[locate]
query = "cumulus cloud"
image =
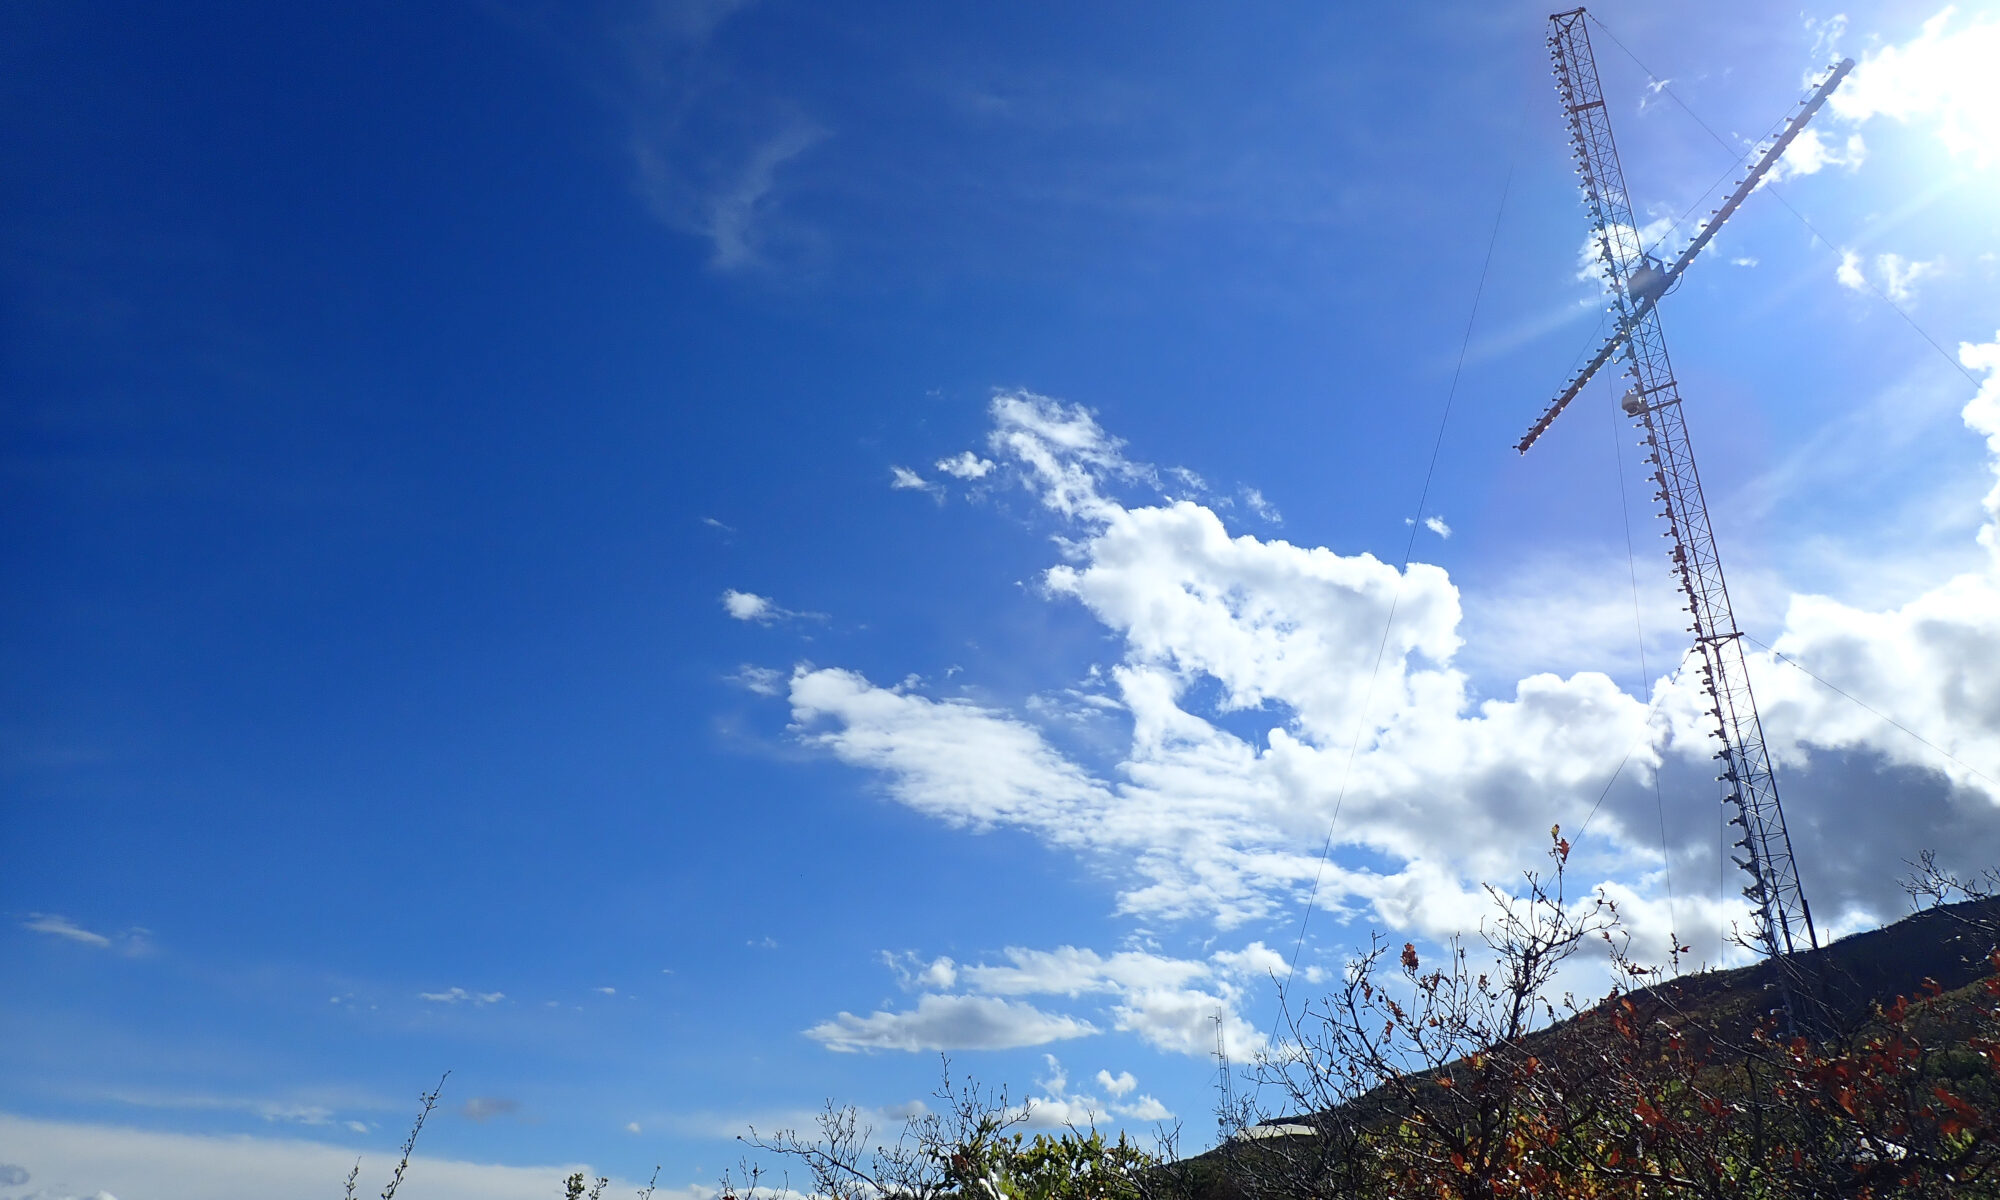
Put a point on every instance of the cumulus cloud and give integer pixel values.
(939, 974)
(1943, 77)
(1927, 663)
(1058, 1107)
(1071, 971)
(1205, 820)
(950, 1022)
(1256, 960)
(1172, 1004)
(764, 681)
(1849, 271)
(1267, 697)
(749, 606)
(1809, 154)
(1186, 1021)
(1625, 241)
(1897, 275)
(966, 465)
(1145, 1108)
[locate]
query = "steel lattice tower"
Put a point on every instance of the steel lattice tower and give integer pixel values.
(1783, 920)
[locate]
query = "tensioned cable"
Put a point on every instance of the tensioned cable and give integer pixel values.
(1780, 198)
(1791, 662)
(1409, 549)
(1742, 157)
(1645, 676)
(1620, 768)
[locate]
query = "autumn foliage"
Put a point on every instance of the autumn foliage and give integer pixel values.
(1453, 1083)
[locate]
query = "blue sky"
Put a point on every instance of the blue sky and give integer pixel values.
(679, 560)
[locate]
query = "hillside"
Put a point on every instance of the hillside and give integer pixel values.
(1681, 1069)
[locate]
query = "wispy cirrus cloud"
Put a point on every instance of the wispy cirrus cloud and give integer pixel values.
(134, 942)
(60, 926)
(709, 149)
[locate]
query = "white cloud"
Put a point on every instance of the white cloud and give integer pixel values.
(749, 606)
(1625, 241)
(1202, 819)
(1185, 1020)
(1255, 960)
(74, 1159)
(1982, 416)
(1060, 1112)
(605, 991)
(1849, 272)
(950, 1022)
(1899, 274)
(1148, 994)
(1436, 525)
(764, 681)
(1058, 1107)
(63, 927)
(1145, 1108)
(1809, 154)
(965, 465)
(1056, 1082)
(459, 995)
(1927, 664)
(1062, 452)
(1944, 76)
(939, 974)
(904, 479)
(1254, 712)
(1070, 971)
(1255, 501)
(953, 760)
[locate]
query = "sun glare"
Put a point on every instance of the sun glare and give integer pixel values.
(1946, 75)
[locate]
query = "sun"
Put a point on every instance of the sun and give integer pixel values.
(1946, 76)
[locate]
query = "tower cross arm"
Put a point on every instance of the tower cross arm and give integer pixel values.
(1649, 283)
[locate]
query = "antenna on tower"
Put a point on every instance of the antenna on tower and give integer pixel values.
(1228, 1120)
(1638, 280)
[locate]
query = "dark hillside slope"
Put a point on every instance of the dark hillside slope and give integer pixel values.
(1706, 1030)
